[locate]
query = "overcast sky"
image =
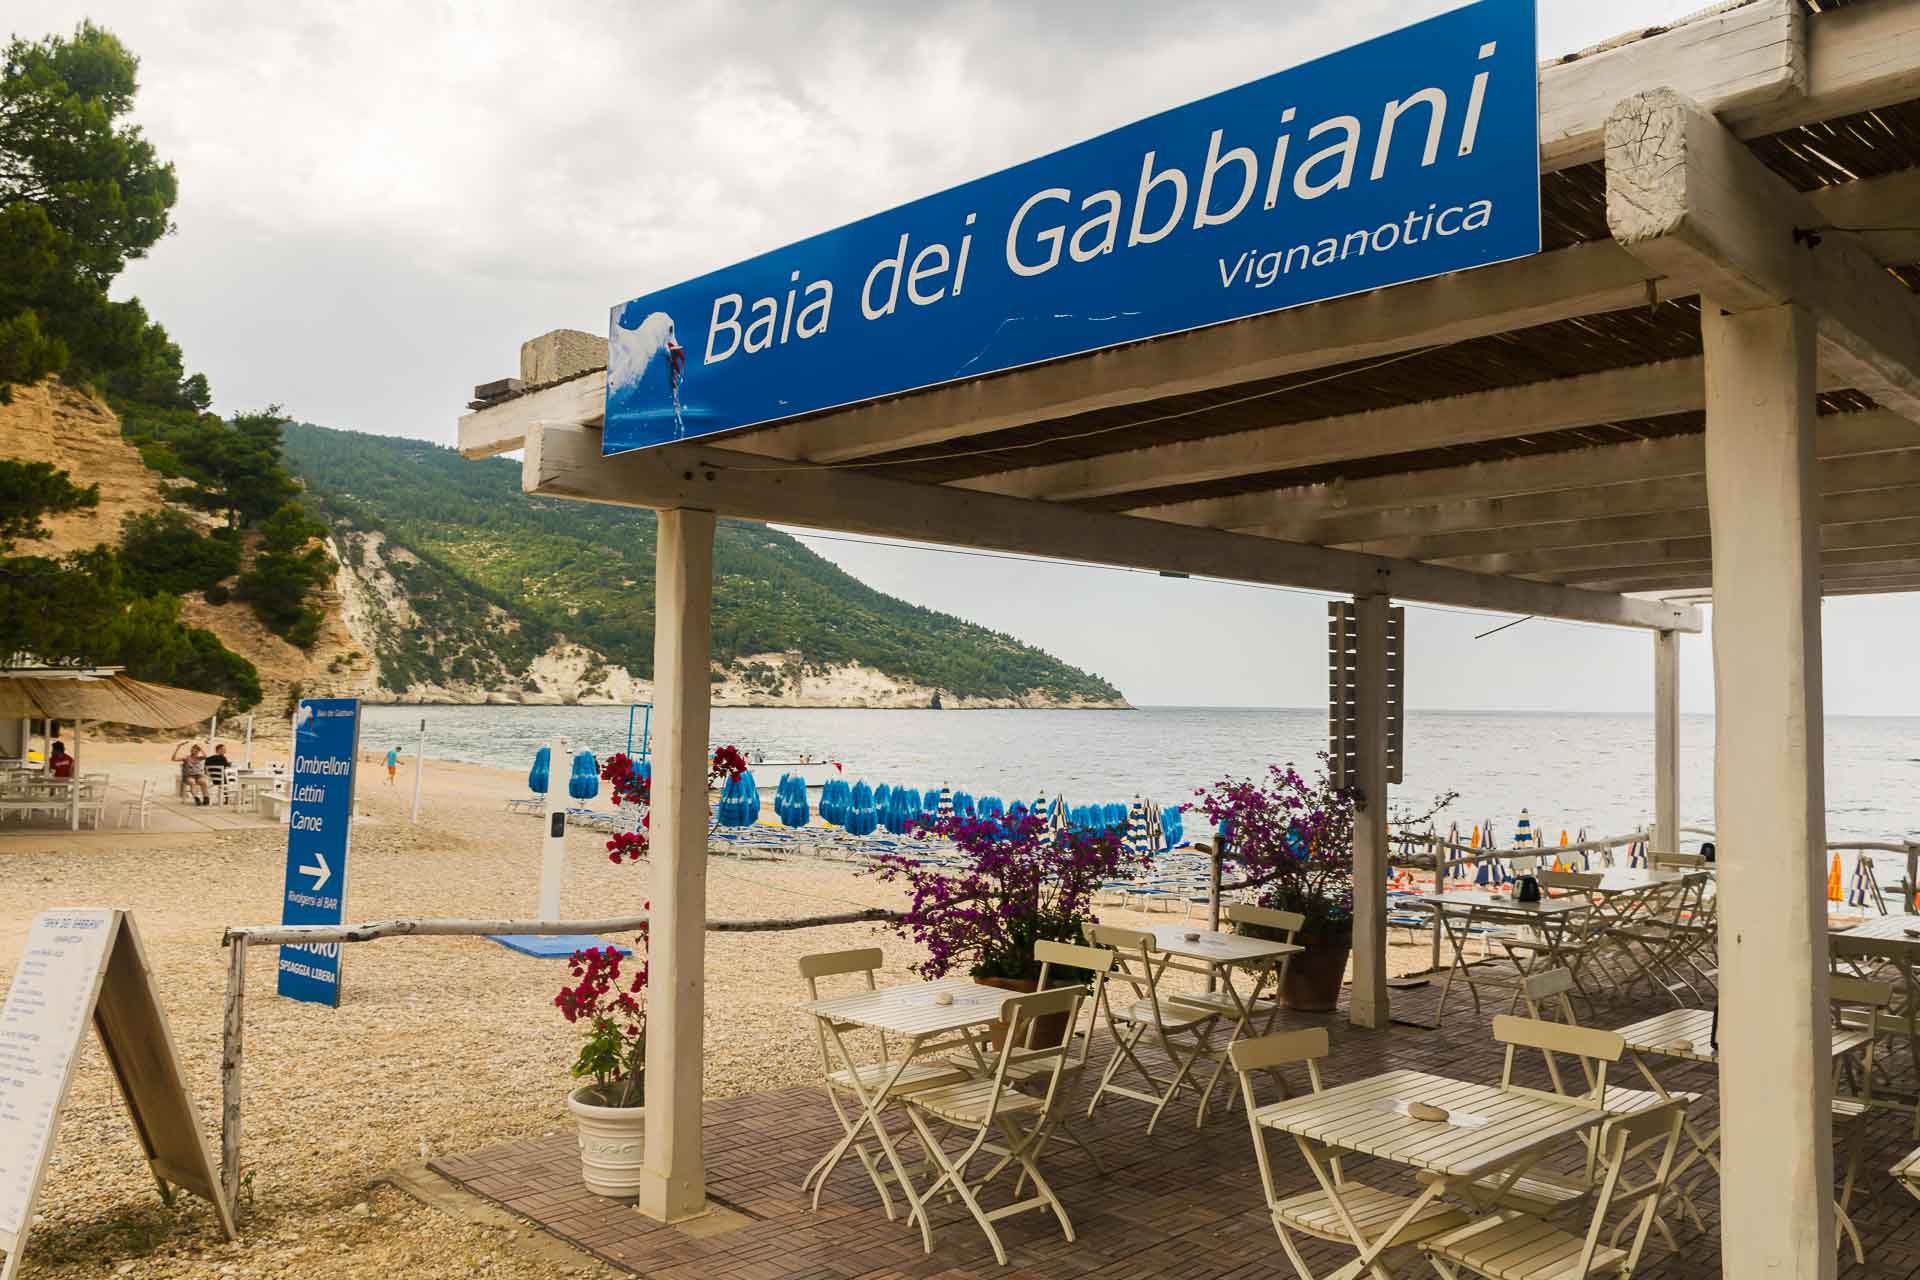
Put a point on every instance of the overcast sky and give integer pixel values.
(380, 200)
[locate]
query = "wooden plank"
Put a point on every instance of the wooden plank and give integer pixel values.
(1556, 404)
(1577, 474)
(1749, 57)
(1689, 199)
(1839, 510)
(1840, 544)
(566, 462)
(502, 428)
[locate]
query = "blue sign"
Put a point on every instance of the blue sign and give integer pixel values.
(1413, 154)
(326, 746)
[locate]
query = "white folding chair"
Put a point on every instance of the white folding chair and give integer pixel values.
(1857, 1004)
(1181, 1031)
(1241, 915)
(993, 1106)
(1514, 1245)
(1332, 1210)
(845, 1078)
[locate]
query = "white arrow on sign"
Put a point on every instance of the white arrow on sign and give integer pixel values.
(319, 870)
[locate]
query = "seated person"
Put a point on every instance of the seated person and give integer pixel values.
(60, 764)
(193, 772)
(218, 760)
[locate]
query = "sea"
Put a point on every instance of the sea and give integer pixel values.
(1569, 771)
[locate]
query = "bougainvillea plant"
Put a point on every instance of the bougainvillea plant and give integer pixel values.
(1292, 840)
(630, 785)
(1021, 883)
(608, 1004)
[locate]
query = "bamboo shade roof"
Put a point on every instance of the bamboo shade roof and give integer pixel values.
(104, 696)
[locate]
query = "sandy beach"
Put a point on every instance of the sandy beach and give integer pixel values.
(440, 1045)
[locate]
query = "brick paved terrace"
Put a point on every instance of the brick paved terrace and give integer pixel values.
(1184, 1203)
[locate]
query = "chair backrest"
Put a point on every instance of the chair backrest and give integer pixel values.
(1020, 1013)
(1096, 961)
(1648, 1138)
(1571, 881)
(1593, 1047)
(834, 964)
(1676, 861)
(1133, 961)
(1287, 922)
(1270, 1053)
(1861, 995)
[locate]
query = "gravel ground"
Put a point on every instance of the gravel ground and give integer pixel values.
(441, 1045)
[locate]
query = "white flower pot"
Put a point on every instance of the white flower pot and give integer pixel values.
(611, 1144)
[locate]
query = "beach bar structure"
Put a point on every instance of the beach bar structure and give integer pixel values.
(1705, 387)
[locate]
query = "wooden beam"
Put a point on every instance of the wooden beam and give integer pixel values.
(566, 462)
(1689, 199)
(1685, 522)
(1643, 391)
(1697, 576)
(1666, 742)
(1562, 563)
(1578, 471)
(1897, 584)
(502, 428)
(1581, 280)
(1762, 68)
(1879, 213)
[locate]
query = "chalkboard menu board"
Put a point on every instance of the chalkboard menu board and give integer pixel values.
(85, 967)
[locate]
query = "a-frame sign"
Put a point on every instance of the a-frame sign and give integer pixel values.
(86, 966)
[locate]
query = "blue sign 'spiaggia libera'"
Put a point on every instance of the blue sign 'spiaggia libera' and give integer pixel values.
(326, 746)
(1413, 154)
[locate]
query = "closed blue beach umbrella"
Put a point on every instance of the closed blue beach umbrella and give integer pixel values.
(911, 799)
(882, 797)
(537, 776)
(739, 802)
(585, 782)
(963, 804)
(835, 799)
(1136, 841)
(990, 807)
(797, 812)
(1113, 817)
(860, 819)
(1173, 827)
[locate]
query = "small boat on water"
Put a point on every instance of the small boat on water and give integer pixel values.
(817, 769)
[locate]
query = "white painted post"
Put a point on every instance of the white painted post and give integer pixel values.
(248, 753)
(673, 1176)
(1368, 1006)
(1666, 741)
(553, 836)
(419, 757)
(1776, 1188)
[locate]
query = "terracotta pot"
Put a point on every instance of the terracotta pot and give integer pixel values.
(1314, 976)
(1049, 1030)
(611, 1143)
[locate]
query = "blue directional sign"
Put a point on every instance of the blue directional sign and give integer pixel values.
(326, 746)
(1404, 157)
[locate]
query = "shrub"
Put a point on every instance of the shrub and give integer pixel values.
(165, 551)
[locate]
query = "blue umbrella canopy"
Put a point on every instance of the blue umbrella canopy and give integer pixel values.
(537, 776)
(1113, 816)
(911, 799)
(585, 782)
(963, 804)
(860, 818)
(990, 807)
(739, 802)
(796, 812)
(903, 811)
(1172, 826)
(882, 797)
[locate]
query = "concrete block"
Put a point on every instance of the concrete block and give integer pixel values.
(561, 354)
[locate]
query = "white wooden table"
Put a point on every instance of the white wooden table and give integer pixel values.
(1686, 1035)
(1219, 954)
(913, 1012)
(1488, 1131)
(1459, 914)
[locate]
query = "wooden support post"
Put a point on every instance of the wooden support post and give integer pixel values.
(1666, 741)
(1769, 796)
(231, 1048)
(1368, 1007)
(673, 1176)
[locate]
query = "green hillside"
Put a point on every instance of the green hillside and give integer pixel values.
(586, 571)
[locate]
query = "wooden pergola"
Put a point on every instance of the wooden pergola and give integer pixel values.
(1707, 386)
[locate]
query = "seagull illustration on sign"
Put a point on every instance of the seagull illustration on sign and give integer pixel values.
(640, 340)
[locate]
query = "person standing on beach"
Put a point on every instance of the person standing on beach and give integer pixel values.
(393, 764)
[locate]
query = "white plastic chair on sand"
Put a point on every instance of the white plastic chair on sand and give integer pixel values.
(137, 811)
